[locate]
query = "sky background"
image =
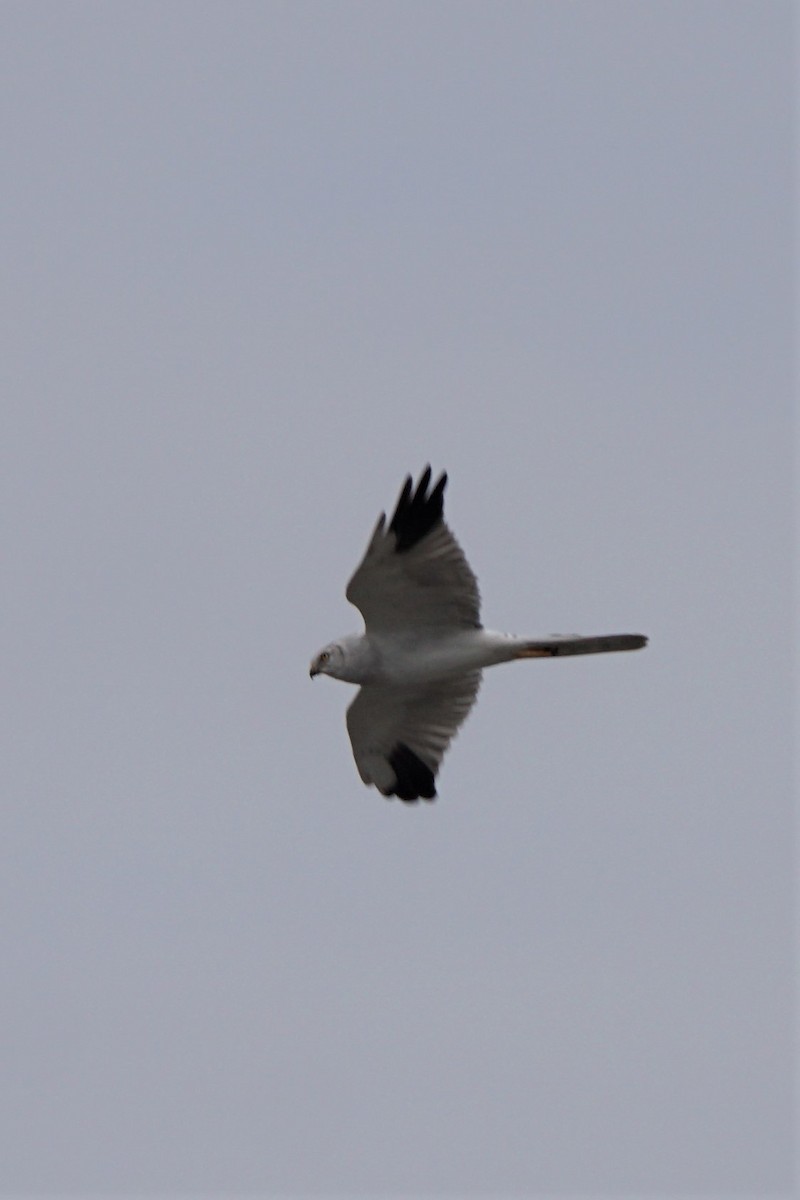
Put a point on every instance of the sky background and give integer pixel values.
(259, 261)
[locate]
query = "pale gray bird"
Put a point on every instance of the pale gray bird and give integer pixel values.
(420, 657)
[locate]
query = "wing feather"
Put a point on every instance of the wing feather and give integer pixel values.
(399, 735)
(414, 573)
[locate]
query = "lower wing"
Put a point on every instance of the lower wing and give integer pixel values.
(399, 735)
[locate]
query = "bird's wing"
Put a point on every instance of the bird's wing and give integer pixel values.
(399, 735)
(414, 573)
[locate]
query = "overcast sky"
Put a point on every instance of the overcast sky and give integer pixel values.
(259, 261)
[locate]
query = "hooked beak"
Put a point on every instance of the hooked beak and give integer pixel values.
(314, 671)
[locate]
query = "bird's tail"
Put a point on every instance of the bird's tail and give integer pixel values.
(554, 647)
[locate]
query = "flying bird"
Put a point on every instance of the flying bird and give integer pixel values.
(420, 657)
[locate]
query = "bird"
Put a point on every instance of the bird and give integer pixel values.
(419, 661)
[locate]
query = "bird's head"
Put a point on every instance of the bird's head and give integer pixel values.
(328, 662)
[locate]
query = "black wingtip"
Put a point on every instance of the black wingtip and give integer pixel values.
(417, 512)
(413, 779)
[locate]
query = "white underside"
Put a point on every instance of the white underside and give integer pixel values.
(419, 659)
(422, 657)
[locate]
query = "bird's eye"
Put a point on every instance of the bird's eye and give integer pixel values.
(324, 656)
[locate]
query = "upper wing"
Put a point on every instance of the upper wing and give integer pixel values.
(414, 573)
(399, 735)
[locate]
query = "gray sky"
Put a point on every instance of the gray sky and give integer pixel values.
(260, 261)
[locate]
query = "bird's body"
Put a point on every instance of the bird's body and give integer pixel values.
(416, 659)
(420, 658)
